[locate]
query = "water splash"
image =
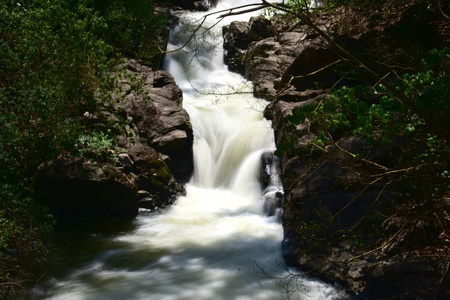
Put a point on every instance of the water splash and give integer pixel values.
(216, 242)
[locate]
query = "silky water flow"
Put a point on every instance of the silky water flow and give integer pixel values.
(216, 242)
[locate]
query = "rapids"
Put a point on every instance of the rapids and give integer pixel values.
(215, 242)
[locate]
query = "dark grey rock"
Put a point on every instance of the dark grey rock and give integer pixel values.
(160, 118)
(322, 193)
(82, 187)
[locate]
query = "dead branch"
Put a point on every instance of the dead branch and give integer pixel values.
(376, 249)
(405, 170)
(314, 72)
(360, 158)
(371, 206)
(355, 198)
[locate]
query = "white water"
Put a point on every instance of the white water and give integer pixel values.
(215, 242)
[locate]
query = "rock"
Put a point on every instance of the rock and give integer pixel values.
(261, 28)
(160, 118)
(154, 176)
(267, 60)
(143, 194)
(149, 167)
(126, 160)
(148, 203)
(155, 146)
(174, 139)
(278, 110)
(238, 36)
(236, 40)
(323, 199)
(81, 187)
(314, 56)
(272, 186)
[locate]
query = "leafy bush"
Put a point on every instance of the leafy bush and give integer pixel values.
(133, 28)
(24, 224)
(57, 62)
(421, 178)
(377, 112)
(98, 146)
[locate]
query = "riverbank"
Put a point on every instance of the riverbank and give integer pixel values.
(346, 219)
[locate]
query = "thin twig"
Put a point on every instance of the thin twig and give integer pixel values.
(376, 249)
(363, 159)
(397, 171)
(371, 206)
(314, 72)
(356, 197)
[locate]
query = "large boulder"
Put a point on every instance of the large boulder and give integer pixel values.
(155, 182)
(309, 70)
(83, 187)
(238, 36)
(267, 60)
(159, 117)
(271, 184)
(236, 41)
(278, 110)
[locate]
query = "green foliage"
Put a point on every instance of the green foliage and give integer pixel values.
(374, 112)
(98, 145)
(53, 63)
(421, 178)
(24, 224)
(133, 28)
(58, 60)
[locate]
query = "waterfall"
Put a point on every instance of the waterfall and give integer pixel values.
(219, 241)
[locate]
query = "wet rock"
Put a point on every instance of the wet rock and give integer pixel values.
(271, 183)
(236, 41)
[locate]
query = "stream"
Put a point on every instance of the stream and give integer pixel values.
(214, 243)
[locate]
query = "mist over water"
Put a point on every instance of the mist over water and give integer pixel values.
(215, 242)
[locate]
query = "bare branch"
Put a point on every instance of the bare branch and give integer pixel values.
(314, 72)
(231, 12)
(376, 249)
(397, 171)
(371, 206)
(355, 198)
(360, 158)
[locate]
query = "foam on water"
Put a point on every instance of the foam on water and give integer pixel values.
(215, 242)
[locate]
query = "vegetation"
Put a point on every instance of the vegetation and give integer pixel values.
(58, 59)
(393, 91)
(57, 62)
(396, 93)
(420, 174)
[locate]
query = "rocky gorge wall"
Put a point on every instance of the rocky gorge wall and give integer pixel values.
(152, 159)
(322, 193)
(324, 199)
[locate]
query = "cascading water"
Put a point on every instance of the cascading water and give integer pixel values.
(216, 242)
